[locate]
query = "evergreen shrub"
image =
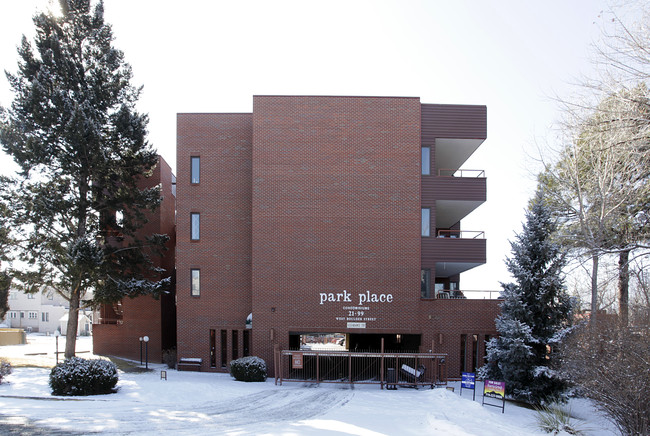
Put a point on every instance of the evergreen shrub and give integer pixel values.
(248, 369)
(76, 376)
(5, 369)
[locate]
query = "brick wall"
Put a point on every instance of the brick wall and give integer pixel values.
(142, 316)
(336, 206)
(223, 254)
(451, 319)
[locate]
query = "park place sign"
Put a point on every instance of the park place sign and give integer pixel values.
(355, 316)
(346, 297)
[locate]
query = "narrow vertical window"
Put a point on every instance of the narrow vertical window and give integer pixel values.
(426, 219)
(425, 275)
(213, 348)
(247, 341)
(196, 282)
(195, 226)
(485, 354)
(224, 347)
(426, 161)
(463, 345)
(196, 169)
(235, 345)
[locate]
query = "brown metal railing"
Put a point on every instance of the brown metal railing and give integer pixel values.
(386, 369)
(452, 294)
(447, 172)
(461, 234)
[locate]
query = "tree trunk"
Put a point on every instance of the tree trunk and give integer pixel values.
(623, 286)
(73, 321)
(594, 289)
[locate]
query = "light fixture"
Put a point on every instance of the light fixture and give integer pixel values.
(146, 351)
(57, 333)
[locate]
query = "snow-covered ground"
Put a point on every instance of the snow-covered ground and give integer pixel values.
(189, 403)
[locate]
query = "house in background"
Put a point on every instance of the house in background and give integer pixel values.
(38, 312)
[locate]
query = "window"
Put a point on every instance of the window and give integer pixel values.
(196, 169)
(426, 161)
(13, 295)
(426, 219)
(463, 344)
(485, 355)
(33, 315)
(195, 226)
(45, 316)
(196, 283)
(247, 339)
(224, 347)
(31, 296)
(425, 276)
(235, 345)
(474, 354)
(12, 315)
(213, 348)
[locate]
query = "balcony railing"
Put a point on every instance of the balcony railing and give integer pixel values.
(450, 294)
(461, 234)
(448, 172)
(483, 295)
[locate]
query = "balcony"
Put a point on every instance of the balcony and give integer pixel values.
(454, 251)
(455, 194)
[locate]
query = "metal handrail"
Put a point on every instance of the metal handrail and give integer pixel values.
(461, 234)
(450, 172)
(455, 294)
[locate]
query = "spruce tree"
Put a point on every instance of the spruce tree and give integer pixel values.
(535, 313)
(81, 146)
(5, 244)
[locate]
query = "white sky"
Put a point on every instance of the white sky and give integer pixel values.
(213, 56)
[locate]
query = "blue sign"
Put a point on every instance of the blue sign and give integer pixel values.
(468, 380)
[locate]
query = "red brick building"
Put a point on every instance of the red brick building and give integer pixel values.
(118, 328)
(323, 215)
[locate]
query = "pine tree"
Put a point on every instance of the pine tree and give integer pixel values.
(81, 146)
(5, 244)
(535, 314)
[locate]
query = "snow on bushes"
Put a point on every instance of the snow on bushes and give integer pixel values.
(76, 376)
(248, 369)
(5, 369)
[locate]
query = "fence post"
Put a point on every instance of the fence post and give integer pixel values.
(275, 363)
(381, 364)
(317, 368)
(350, 368)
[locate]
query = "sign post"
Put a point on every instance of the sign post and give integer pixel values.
(468, 381)
(495, 389)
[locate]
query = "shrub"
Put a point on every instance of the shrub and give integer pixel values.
(78, 376)
(609, 362)
(554, 419)
(5, 369)
(248, 369)
(169, 357)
